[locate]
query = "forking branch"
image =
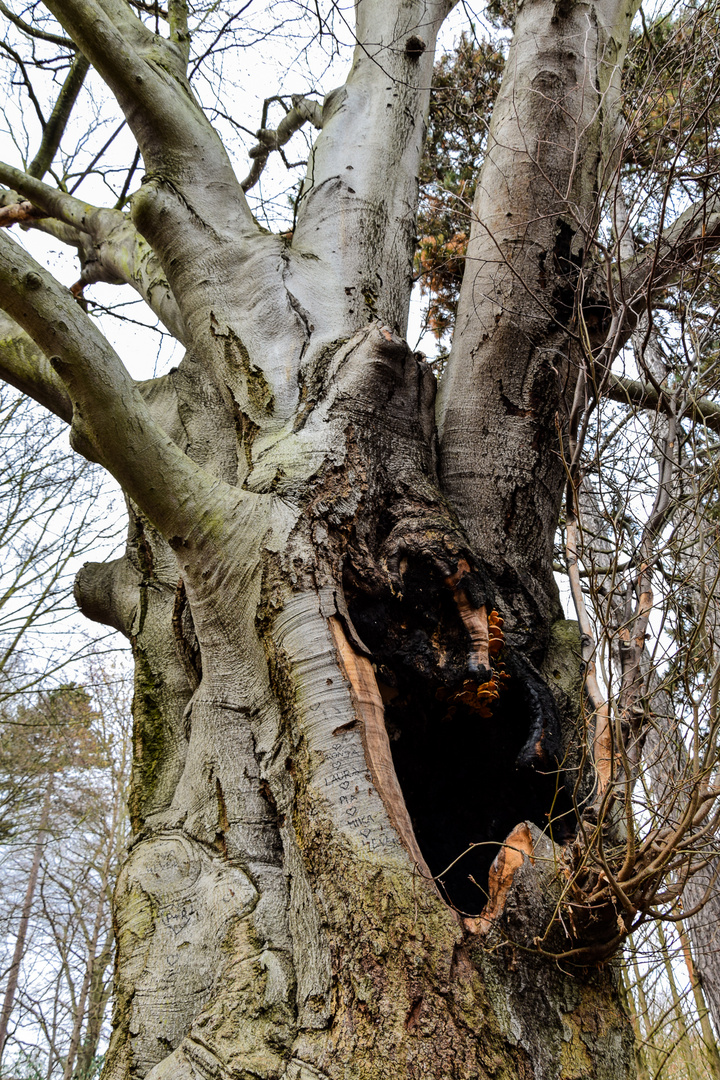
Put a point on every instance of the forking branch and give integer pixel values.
(110, 247)
(304, 110)
(111, 422)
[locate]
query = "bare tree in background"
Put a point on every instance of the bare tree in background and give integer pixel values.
(354, 681)
(49, 515)
(59, 871)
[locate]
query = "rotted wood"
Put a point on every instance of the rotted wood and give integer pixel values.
(418, 602)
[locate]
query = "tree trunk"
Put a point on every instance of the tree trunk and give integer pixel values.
(640, 1055)
(98, 995)
(333, 734)
(649, 1049)
(683, 1039)
(85, 989)
(277, 913)
(703, 926)
(712, 1057)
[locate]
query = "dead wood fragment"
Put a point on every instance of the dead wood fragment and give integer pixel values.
(19, 212)
(509, 859)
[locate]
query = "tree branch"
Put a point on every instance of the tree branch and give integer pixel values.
(32, 31)
(694, 234)
(177, 18)
(55, 127)
(51, 201)
(362, 175)
(110, 417)
(304, 110)
(642, 395)
(33, 218)
(108, 592)
(146, 73)
(24, 366)
(190, 199)
(26, 81)
(111, 247)
(14, 212)
(532, 212)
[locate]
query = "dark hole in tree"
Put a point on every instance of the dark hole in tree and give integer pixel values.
(463, 787)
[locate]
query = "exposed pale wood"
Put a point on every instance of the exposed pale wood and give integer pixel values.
(18, 212)
(360, 675)
(517, 847)
(602, 738)
(474, 619)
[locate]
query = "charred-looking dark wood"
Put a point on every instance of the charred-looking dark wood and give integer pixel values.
(467, 712)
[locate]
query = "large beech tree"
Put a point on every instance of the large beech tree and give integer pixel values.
(354, 680)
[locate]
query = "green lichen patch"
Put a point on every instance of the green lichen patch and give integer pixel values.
(151, 740)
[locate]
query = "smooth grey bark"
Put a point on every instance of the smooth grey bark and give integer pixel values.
(302, 568)
(550, 149)
(26, 368)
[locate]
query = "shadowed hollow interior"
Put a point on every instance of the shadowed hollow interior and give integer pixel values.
(468, 779)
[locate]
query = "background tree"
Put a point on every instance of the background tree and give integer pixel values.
(667, 1005)
(48, 517)
(72, 758)
(353, 675)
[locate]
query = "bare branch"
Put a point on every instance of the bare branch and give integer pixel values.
(177, 18)
(24, 366)
(111, 421)
(26, 81)
(32, 31)
(642, 395)
(51, 201)
(111, 247)
(147, 75)
(189, 178)
(59, 117)
(694, 234)
(602, 742)
(304, 111)
(66, 234)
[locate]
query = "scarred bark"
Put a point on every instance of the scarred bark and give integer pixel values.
(514, 354)
(352, 678)
(315, 849)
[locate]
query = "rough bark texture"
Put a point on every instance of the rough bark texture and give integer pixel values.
(276, 914)
(513, 358)
(705, 935)
(327, 713)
